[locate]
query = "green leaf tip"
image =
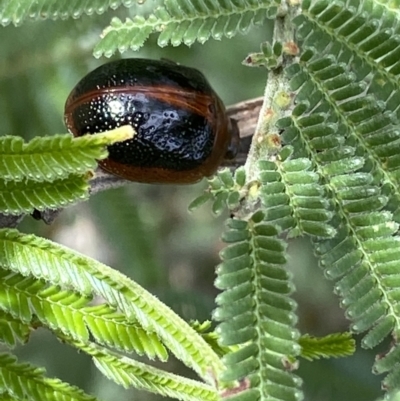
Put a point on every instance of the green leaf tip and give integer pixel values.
(119, 134)
(51, 172)
(199, 201)
(225, 191)
(336, 345)
(55, 157)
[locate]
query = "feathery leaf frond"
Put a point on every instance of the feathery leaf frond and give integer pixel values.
(130, 373)
(345, 121)
(51, 172)
(185, 21)
(18, 197)
(70, 313)
(335, 345)
(111, 328)
(257, 313)
(27, 382)
(17, 12)
(361, 49)
(54, 157)
(293, 199)
(29, 255)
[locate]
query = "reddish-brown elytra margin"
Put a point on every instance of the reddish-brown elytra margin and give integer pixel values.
(183, 132)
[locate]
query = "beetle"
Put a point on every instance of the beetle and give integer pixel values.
(182, 130)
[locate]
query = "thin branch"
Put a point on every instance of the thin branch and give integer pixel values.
(246, 114)
(266, 136)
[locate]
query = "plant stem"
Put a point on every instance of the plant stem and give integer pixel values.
(277, 96)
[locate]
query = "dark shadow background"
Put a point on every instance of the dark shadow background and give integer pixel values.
(143, 230)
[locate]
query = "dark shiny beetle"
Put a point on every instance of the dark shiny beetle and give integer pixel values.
(183, 132)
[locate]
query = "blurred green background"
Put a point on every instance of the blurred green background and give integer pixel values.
(143, 230)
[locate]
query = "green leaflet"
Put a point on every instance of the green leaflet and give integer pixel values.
(27, 195)
(50, 172)
(293, 198)
(225, 190)
(32, 256)
(130, 373)
(346, 122)
(257, 313)
(12, 330)
(389, 364)
(28, 382)
(17, 11)
(185, 21)
(270, 56)
(70, 313)
(347, 33)
(53, 157)
(335, 345)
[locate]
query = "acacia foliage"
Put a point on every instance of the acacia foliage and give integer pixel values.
(329, 170)
(346, 122)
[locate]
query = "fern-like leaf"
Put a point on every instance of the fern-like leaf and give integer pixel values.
(293, 198)
(257, 313)
(38, 175)
(27, 382)
(17, 11)
(29, 255)
(111, 328)
(360, 41)
(54, 157)
(27, 195)
(130, 373)
(69, 312)
(185, 21)
(349, 133)
(336, 345)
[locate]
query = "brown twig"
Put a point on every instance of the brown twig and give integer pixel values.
(246, 114)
